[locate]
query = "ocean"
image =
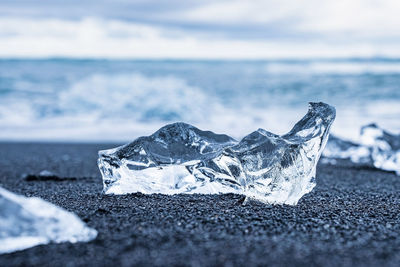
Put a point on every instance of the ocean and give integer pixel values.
(82, 100)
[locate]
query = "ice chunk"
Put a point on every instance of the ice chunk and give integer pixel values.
(27, 222)
(337, 148)
(376, 148)
(384, 147)
(46, 173)
(179, 158)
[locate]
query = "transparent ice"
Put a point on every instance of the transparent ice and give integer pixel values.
(376, 148)
(337, 148)
(179, 158)
(27, 222)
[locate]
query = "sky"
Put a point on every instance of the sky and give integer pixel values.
(253, 29)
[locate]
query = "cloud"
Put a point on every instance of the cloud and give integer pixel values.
(366, 19)
(253, 29)
(358, 20)
(105, 38)
(243, 12)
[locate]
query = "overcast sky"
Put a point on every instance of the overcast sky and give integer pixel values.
(199, 29)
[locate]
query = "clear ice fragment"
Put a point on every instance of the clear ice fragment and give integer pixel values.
(179, 158)
(384, 147)
(46, 173)
(376, 148)
(337, 148)
(27, 222)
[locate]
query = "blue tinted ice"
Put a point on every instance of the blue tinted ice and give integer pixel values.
(179, 158)
(377, 148)
(27, 222)
(338, 148)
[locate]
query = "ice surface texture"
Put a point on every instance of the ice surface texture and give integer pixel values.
(179, 158)
(27, 222)
(377, 148)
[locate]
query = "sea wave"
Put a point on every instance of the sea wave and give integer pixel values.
(69, 100)
(332, 67)
(116, 107)
(137, 97)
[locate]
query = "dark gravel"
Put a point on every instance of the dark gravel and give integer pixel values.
(352, 218)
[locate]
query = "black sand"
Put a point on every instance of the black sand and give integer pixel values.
(352, 218)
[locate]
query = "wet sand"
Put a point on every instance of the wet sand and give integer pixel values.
(351, 218)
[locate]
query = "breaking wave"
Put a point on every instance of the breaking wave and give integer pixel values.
(70, 100)
(116, 107)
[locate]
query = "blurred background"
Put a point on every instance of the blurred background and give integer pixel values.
(105, 71)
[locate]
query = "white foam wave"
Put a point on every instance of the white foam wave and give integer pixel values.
(120, 107)
(136, 97)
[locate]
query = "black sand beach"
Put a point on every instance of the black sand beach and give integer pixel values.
(351, 218)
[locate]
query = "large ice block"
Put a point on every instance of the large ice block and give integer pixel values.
(27, 222)
(179, 158)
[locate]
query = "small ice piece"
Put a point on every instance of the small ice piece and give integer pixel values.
(46, 173)
(329, 161)
(384, 147)
(337, 148)
(27, 222)
(179, 158)
(377, 148)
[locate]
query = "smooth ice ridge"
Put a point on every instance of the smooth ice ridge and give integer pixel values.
(376, 148)
(179, 158)
(27, 222)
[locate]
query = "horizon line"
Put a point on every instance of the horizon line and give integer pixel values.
(201, 59)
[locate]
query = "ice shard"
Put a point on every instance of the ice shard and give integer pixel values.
(179, 158)
(376, 148)
(337, 148)
(384, 147)
(27, 222)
